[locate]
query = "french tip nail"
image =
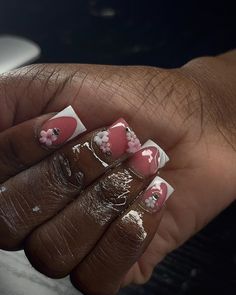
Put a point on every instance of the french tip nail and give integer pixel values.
(148, 159)
(156, 194)
(159, 180)
(170, 188)
(82, 126)
(117, 140)
(122, 119)
(163, 156)
(170, 191)
(167, 158)
(119, 122)
(61, 128)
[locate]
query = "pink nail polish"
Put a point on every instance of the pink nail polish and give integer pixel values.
(61, 128)
(156, 195)
(118, 139)
(148, 159)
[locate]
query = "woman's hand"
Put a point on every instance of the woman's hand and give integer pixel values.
(189, 112)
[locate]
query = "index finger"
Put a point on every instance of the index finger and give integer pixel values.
(29, 142)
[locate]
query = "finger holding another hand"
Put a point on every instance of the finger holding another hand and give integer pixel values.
(25, 144)
(58, 246)
(36, 194)
(103, 270)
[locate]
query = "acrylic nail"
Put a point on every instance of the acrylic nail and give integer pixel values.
(146, 161)
(117, 140)
(61, 128)
(156, 194)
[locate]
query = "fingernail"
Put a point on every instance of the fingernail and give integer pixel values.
(146, 161)
(61, 128)
(117, 140)
(156, 194)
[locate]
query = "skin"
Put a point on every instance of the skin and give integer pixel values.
(189, 112)
(48, 186)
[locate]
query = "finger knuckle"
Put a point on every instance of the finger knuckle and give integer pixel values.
(130, 234)
(10, 219)
(57, 177)
(113, 190)
(12, 157)
(44, 253)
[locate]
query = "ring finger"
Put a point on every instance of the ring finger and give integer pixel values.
(60, 244)
(36, 194)
(29, 142)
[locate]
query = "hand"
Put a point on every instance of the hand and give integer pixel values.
(183, 110)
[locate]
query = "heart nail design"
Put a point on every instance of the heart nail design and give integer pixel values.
(148, 159)
(61, 128)
(156, 195)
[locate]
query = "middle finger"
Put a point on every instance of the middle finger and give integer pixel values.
(59, 245)
(34, 195)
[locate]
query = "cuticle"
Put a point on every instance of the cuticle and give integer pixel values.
(145, 209)
(149, 211)
(136, 174)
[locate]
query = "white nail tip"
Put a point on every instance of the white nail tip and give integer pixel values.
(163, 159)
(69, 112)
(157, 181)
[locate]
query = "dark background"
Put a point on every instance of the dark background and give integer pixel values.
(157, 33)
(162, 33)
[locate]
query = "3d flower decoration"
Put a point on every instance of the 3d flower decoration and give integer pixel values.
(133, 142)
(101, 139)
(151, 201)
(49, 136)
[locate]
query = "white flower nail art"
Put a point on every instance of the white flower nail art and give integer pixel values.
(150, 202)
(105, 147)
(61, 128)
(133, 142)
(101, 137)
(131, 145)
(49, 136)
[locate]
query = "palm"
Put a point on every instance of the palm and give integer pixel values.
(199, 196)
(156, 110)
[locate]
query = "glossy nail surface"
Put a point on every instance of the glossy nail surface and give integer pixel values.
(156, 195)
(61, 128)
(117, 140)
(146, 161)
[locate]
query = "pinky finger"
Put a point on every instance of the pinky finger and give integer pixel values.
(102, 272)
